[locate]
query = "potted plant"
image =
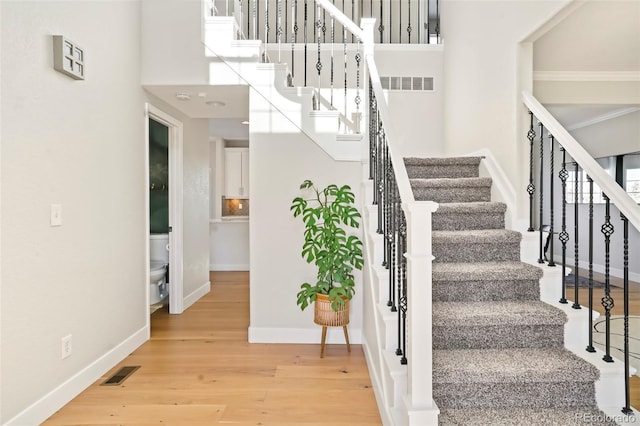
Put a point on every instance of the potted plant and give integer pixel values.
(327, 216)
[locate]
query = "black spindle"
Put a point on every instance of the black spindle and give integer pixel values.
(403, 285)
(541, 194)
(590, 347)
(549, 243)
(625, 236)
(531, 189)
(607, 301)
(576, 304)
(564, 235)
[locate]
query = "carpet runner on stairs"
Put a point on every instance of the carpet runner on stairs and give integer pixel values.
(499, 356)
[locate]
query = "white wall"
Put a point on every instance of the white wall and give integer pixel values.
(172, 48)
(281, 159)
(196, 207)
(620, 135)
(417, 115)
(79, 144)
(485, 69)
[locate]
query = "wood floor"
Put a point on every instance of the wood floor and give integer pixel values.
(198, 369)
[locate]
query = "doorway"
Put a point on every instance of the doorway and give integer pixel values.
(163, 188)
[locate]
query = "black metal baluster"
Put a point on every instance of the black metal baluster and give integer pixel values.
(576, 304)
(551, 262)
(390, 204)
(357, 99)
(266, 21)
(254, 19)
(279, 26)
(437, 21)
(607, 301)
(304, 29)
(319, 63)
(564, 235)
(427, 24)
(380, 176)
(333, 37)
(381, 25)
(541, 194)
(403, 285)
(294, 35)
(324, 26)
(286, 19)
(372, 127)
(531, 189)
(257, 13)
(590, 347)
(344, 42)
(625, 236)
(399, 21)
(248, 20)
(409, 26)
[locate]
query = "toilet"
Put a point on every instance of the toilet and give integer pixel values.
(159, 261)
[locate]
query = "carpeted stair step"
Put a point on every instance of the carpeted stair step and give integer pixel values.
(524, 417)
(446, 190)
(486, 245)
(485, 281)
(452, 167)
(509, 378)
(496, 325)
(475, 215)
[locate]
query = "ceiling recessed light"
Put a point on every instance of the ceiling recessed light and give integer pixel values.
(183, 96)
(216, 104)
(244, 122)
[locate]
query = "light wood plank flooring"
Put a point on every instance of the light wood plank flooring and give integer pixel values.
(198, 369)
(617, 294)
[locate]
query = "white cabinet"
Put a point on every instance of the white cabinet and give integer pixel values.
(236, 172)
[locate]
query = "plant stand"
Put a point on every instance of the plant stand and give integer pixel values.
(325, 316)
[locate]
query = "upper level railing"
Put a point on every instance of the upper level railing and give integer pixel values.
(547, 138)
(296, 21)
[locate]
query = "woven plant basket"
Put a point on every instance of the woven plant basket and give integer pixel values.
(325, 316)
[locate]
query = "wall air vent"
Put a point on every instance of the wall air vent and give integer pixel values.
(421, 84)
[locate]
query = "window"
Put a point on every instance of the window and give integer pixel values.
(608, 164)
(631, 167)
(628, 178)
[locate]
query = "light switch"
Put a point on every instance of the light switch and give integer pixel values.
(56, 214)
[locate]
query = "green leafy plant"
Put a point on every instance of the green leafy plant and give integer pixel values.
(327, 217)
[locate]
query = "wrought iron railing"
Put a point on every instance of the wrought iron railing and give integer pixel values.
(296, 21)
(542, 125)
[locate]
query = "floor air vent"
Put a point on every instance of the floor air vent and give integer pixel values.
(120, 376)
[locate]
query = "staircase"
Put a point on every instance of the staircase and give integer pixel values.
(499, 356)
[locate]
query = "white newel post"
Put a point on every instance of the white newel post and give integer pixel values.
(420, 406)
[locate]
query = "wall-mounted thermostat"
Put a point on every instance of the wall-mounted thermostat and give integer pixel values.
(68, 57)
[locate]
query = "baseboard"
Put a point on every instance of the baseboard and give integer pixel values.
(302, 335)
(196, 295)
(46, 406)
(378, 390)
(228, 266)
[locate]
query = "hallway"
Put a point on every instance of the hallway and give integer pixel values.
(198, 369)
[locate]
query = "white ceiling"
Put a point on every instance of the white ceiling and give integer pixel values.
(574, 117)
(225, 121)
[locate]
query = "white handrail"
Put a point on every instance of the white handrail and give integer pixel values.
(609, 186)
(342, 18)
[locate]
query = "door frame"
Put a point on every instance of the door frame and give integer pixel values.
(175, 127)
